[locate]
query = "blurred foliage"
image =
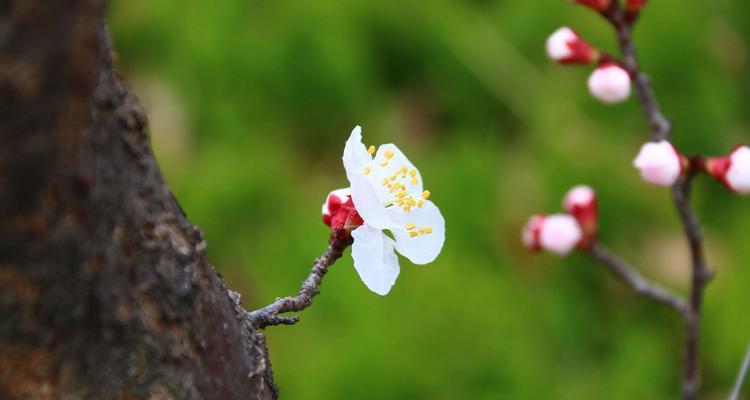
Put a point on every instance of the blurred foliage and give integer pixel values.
(251, 101)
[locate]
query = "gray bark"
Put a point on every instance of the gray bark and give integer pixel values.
(105, 290)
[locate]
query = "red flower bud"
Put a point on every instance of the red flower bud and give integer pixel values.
(582, 204)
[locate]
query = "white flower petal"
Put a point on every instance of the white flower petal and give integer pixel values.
(375, 259)
(355, 153)
(390, 162)
(423, 248)
(367, 202)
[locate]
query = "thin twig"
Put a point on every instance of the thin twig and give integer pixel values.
(660, 125)
(269, 315)
(660, 128)
(741, 376)
(635, 280)
(701, 276)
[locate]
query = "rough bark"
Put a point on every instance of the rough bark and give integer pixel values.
(105, 290)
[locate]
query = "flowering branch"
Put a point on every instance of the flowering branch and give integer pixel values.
(659, 161)
(660, 128)
(636, 281)
(741, 376)
(386, 194)
(269, 315)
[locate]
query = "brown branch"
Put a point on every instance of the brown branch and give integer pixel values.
(269, 315)
(635, 280)
(660, 125)
(660, 128)
(741, 376)
(700, 276)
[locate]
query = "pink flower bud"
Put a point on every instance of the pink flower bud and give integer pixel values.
(609, 83)
(564, 46)
(339, 212)
(581, 203)
(660, 163)
(530, 233)
(733, 171)
(598, 5)
(560, 234)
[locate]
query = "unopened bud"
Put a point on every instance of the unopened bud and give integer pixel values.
(609, 83)
(565, 46)
(560, 234)
(660, 163)
(733, 170)
(582, 204)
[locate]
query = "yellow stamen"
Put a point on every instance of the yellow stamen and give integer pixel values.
(425, 230)
(385, 181)
(413, 172)
(420, 203)
(426, 194)
(367, 170)
(388, 154)
(384, 163)
(371, 149)
(410, 226)
(413, 233)
(414, 181)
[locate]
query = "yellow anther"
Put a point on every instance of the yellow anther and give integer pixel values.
(371, 149)
(400, 194)
(420, 203)
(403, 169)
(425, 230)
(426, 194)
(413, 172)
(384, 163)
(368, 170)
(413, 233)
(388, 154)
(385, 181)
(414, 180)
(410, 226)
(393, 177)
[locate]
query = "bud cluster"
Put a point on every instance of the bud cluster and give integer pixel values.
(661, 164)
(609, 82)
(562, 233)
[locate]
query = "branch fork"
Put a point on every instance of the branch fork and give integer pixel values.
(270, 315)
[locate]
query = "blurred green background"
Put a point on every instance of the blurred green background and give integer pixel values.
(250, 103)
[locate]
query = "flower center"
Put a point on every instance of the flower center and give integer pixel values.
(399, 188)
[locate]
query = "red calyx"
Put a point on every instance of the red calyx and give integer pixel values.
(581, 53)
(342, 215)
(718, 168)
(532, 231)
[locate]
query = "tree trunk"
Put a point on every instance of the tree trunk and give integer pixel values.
(105, 290)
